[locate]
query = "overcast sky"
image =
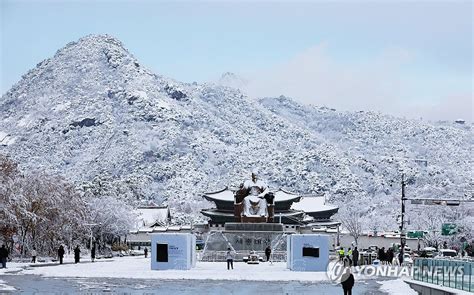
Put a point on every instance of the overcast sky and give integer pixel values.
(407, 58)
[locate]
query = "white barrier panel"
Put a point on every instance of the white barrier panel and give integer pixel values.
(307, 252)
(173, 251)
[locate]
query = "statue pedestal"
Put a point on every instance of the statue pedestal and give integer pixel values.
(253, 219)
(238, 208)
(253, 227)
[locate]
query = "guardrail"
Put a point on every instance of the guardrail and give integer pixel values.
(215, 256)
(451, 273)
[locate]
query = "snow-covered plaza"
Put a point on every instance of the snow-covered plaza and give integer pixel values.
(236, 147)
(133, 275)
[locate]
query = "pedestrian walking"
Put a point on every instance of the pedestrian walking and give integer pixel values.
(77, 254)
(4, 256)
(347, 281)
(355, 257)
(146, 252)
(61, 254)
(33, 255)
(230, 259)
(93, 252)
(268, 252)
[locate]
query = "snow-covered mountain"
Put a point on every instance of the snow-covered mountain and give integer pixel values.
(97, 116)
(233, 80)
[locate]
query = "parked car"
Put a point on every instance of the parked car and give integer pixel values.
(373, 248)
(447, 253)
(428, 252)
(134, 252)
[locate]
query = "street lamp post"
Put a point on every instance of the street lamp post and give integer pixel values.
(402, 229)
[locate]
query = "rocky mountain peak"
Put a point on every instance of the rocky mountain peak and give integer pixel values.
(233, 80)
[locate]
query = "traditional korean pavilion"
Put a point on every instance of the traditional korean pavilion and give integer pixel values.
(288, 208)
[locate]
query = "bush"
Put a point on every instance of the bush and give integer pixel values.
(119, 247)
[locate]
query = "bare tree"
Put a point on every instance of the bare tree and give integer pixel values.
(351, 221)
(432, 224)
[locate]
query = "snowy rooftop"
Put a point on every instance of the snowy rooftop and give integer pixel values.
(149, 216)
(312, 204)
(228, 195)
(224, 195)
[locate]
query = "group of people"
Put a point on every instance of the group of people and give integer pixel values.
(4, 253)
(387, 257)
(349, 257)
(77, 254)
(61, 253)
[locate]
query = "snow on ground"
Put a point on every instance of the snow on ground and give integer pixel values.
(396, 287)
(5, 287)
(139, 268)
(12, 268)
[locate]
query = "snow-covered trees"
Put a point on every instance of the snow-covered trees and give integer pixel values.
(43, 211)
(439, 215)
(38, 209)
(8, 188)
(110, 204)
(111, 217)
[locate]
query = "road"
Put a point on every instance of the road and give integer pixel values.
(33, 284)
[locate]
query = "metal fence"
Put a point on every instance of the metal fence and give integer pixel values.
(451, 273)
(214, 256)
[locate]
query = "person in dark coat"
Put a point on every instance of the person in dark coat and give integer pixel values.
(347, 281)
(146, 252)
(355, 257)
(389, 256)
(3, 256)
(61, 254)
(93, 253)
(77, 254)
(400, 257)
(268, 251)
(381, 255)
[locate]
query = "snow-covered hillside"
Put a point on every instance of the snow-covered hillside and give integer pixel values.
(97, 116)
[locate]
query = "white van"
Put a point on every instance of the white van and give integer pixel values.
(447, 253)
